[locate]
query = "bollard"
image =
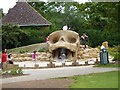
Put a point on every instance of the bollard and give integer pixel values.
(75, 63)
(86, 62)
(36, 66)
(51, 65)
(63, 64)
(24, 66)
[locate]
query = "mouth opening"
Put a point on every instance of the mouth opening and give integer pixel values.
(62, 54)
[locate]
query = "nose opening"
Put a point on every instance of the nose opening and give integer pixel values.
(61, 39)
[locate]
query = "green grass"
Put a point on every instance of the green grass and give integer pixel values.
(29, 48)
(108, 65)
(97, 80)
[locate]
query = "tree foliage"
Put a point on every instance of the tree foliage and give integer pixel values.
(12, 36)
(1, 13)
(36, 34)
(98, 19)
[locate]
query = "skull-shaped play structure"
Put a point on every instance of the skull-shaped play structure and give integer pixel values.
(64, 44)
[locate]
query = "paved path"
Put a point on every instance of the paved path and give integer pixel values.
(42, 74)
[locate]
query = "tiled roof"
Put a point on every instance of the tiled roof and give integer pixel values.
(23, 14)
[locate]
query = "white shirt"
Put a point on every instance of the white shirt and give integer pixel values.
(65, 27)
(102, 47)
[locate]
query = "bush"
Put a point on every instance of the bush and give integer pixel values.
(23, 51)
(15, 36)
(16, 71)
(43, 49)
(12, 36)
(115, 52)
(116, 57)
(19, 71)
(13, 71)
(96, 37)
(36, 34)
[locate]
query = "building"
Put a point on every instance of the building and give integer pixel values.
(22, 14)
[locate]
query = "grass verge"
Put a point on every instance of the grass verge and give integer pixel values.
(110, 65)
(29, 48)
(97, 80)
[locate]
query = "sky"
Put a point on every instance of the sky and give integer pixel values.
(6, 4)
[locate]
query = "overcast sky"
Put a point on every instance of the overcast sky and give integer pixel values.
(6, 4)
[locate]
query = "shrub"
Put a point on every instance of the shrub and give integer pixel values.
(44, 49)
(12, 36)
(23, 51)
(41, 50)
(116, 57)
(16, 71)
(19, 71)
(36, 34)
(13, 71)
(115, 52)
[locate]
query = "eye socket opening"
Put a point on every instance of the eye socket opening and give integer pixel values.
(71, 39)
(54, 39)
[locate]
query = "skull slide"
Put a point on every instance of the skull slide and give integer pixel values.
(63, 44)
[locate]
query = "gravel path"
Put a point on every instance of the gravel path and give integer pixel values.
(43, 74)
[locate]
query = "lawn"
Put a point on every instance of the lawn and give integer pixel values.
(28, 48)
(110, 65)
(97, 80)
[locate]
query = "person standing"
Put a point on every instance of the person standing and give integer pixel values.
(34, 56)
(10, 58)
(4, 59)
(47, 40)
(65, 27)
(84, 38)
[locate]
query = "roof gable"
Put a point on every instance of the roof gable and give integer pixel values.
(23, 14)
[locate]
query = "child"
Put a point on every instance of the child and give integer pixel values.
(34, 56)
(9, 58)
(47, 40)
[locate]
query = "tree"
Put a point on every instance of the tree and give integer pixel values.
(1, 13)
(101, 18)
(12, 36)
(98, 19)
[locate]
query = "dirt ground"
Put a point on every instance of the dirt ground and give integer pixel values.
(10, 75)
(49, 83)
